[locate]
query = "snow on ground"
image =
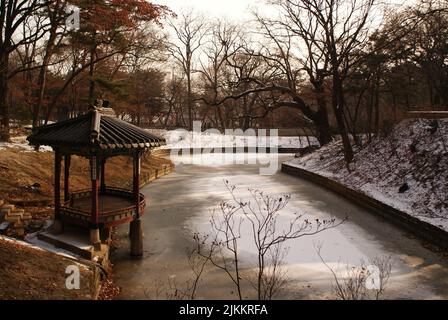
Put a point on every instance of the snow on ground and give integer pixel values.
(182, 138)
(186, 139)
(21, 144)
(415, 153)
(31, 241)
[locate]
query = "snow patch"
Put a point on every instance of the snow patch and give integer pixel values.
(185, 139)
(415, 152)
(22, 144)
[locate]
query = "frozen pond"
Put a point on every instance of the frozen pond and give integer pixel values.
(181, 203)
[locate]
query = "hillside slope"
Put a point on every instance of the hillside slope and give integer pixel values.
(28, 175)
(27, 272)
(407, 168)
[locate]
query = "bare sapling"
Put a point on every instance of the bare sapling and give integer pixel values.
(222, 242)
(261, 216)
(361, 282)
(172, 289)
(275, 277)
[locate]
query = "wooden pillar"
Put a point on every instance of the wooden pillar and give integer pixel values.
(136, 238)
(106, 234)
(95, 212)
(136, 180)
(135, 231)
(103, 173)
(57, 191)
(67, 160)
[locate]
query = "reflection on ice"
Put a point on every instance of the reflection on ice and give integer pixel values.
(268, 162)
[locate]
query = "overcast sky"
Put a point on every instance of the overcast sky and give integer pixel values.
(232, 9)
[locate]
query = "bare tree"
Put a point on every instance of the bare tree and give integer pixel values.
(174, 97)
(56, 14)
(215, 247)
(358, 282)
(261, 213)
(338, 29)
(223, 65)
(320, 39)
(175, 291)
(13, 14)
(291, 49)
(274, 278)
(271, 71)
(212, 66)
(190, 30)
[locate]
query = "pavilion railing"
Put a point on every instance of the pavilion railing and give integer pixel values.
(110, 217)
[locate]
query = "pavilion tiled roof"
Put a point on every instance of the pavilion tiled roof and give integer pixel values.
(95, 129)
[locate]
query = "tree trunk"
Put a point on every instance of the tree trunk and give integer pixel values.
(394, 102)
(444, 95)
(4, 109)
(42, 78)
(221, 119)
(92, 70)
(377, 105)
(338, 108)
(39, 94)
(189, 106)
(246, 123)
(321, 118)
(370, 114)
(188, 54)
(323, 128)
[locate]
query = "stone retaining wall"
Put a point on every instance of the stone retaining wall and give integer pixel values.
(146, 178)
(190, 151)
(427, 114)
(420, 228)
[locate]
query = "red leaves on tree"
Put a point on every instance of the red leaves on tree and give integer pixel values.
(115, 14)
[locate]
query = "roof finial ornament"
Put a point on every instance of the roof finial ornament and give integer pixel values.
(102, 106)
(98, 103)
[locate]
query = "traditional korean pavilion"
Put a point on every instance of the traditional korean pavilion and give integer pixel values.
(97, 135)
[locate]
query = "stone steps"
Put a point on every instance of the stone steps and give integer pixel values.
(13, 221)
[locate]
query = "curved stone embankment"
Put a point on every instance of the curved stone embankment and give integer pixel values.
(163, 170)
(420, 228)
(212, 150)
